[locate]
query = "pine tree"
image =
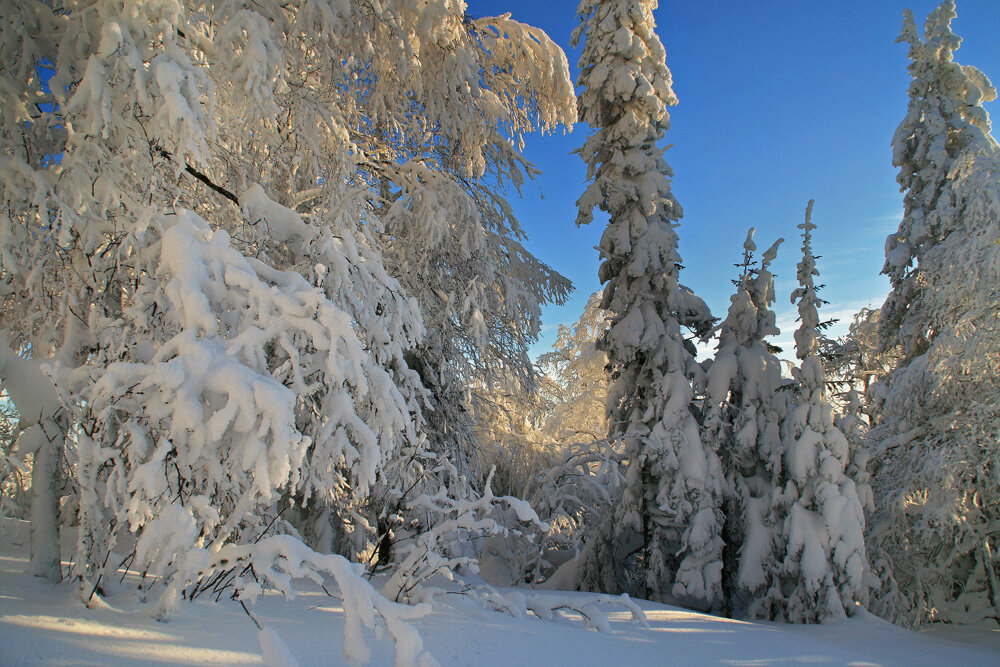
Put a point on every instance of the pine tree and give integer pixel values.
(823, 520)
(743, 411)
(668, 524)
(935, 458)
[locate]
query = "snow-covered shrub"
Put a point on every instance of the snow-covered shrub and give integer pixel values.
(427, 552)
(576, 497)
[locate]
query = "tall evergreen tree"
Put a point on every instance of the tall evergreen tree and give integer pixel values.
(936, 458)
(823, 520)
(667, 531)
(743, 413)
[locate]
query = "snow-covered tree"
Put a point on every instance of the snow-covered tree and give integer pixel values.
(857, 362)
(852, 424)
(935, 459)
(744, 408)
(578, 369)
(824, 566)
(13, 483)
(451, 238)
(943, 150)
(196, 253)
(667, 530)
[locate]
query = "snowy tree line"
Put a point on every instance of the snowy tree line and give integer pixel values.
(265, 315)
(778, 505)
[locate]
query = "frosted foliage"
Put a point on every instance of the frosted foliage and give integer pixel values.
(935, 447)
(216, 272)
(198, 416)
(743, 413)
(823, 522)
(456, 244)
(852, 424)
(577, 367)
(424, 556)
(474, 86)
(947, 163)
(668, 522)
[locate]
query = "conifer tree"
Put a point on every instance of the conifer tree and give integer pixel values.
(743, 413)
(823, 520)
(935, 454)
(944, 150)
(667, 530)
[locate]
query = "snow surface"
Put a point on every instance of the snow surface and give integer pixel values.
(41, 624)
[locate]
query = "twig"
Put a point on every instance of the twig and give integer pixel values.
(252, 617)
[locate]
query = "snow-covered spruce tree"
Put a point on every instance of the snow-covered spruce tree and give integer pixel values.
(936, 458)
(744, 408)
(203, 270)
(667, 530)
(823, 572)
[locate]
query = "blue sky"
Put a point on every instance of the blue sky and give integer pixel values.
(780, 101)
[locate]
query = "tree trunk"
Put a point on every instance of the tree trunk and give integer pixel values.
(45, 559)
(992, 581)
(38, 407)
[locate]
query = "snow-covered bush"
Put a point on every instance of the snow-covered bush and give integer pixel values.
(576, 497)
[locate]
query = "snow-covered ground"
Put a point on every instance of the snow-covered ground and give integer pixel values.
(41, 624)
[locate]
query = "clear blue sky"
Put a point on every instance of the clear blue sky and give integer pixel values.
(780, 101)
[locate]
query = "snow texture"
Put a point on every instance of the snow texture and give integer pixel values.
(43, 624)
